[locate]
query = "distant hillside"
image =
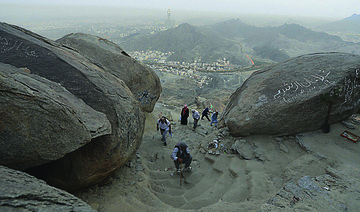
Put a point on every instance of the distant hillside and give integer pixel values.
(280, 43)
(188, 43)
(234, 40)
(302, 34)
(348, 25)
(237, 30)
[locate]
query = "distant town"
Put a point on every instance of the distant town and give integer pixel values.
(157, 58)
(158, 61)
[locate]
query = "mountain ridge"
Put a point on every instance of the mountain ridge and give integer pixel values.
(350, 24)
(235, 40)
(187, 42)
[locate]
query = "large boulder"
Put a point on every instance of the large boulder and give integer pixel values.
(100, 90)
(141, 80)
(22, 192)
(294, 96)
(41, 121)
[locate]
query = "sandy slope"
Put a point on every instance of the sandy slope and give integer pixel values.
(228, 182)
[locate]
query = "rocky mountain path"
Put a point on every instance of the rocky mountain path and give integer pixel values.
(256, 173)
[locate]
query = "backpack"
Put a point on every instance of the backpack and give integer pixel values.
(166, 119)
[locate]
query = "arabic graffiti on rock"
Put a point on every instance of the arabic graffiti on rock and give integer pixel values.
(290, 90)
(8, 44)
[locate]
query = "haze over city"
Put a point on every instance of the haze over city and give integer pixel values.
(320, 8)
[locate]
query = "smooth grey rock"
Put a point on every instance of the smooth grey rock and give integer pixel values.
(22, 192)
(283, 148)
(42, 121)
(141, 80)
(244, 149)
(97, 88)
(285, 99)
(348, 125)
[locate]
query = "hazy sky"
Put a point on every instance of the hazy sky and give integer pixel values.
(319, 8)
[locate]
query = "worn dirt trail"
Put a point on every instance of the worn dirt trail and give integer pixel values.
(256, 173)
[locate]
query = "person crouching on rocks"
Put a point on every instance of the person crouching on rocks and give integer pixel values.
(164, 125)
(181, 154)
(196, 117)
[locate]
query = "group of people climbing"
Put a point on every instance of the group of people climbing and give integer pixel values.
(196, 116)
(181, 152)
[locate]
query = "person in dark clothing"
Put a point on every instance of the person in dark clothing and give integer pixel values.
(205, 113)
(181, 154)
(184, 115)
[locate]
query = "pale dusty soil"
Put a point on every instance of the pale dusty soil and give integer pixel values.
(265, 181)
(256, 173)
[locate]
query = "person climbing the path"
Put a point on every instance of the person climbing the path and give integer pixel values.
(184, 115)
(205, 114)
(214, 118)
(196, 117)
(165, 126)
(181, 154)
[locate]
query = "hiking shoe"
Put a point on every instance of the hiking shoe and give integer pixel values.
(165, 143)
(187, 168)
